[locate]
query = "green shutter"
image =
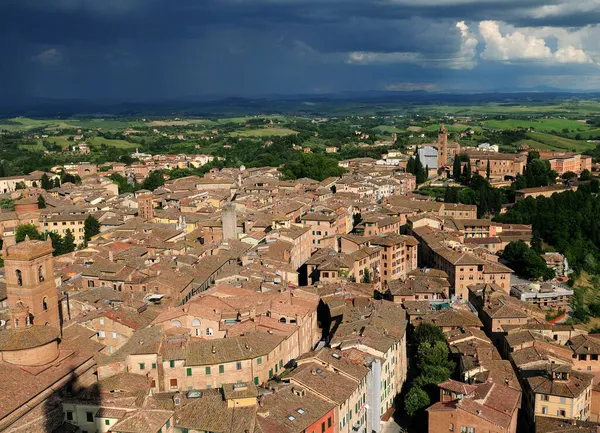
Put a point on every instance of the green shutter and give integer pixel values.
(189, 372)
(221, 369)
(172, 364)
(256, 380)
(207, 371)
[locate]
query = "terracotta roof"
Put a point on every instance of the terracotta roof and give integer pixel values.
(143, 421)
(27, 338)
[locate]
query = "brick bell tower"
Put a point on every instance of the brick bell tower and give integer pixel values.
(442, 147)
(29, 269)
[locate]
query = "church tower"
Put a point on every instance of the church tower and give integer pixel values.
(29, 269)
(442, 147)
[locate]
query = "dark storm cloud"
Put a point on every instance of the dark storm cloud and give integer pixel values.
(175, 48)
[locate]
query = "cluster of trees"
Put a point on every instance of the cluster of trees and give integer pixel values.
(462, 173)
(489, 200)
(526, 262)
(61, 245)
(154, 180)
(433, 364)
(415, 166)
(537, 173)
(47, 183)
(312, 165)
(568, 222)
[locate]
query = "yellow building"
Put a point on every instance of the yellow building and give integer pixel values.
(61, 223)
(559, 393)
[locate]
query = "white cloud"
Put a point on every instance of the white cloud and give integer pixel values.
(468, 47)
(527, 45)
(49, 57)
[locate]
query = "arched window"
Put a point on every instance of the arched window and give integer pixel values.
(196, 322)
(41, 274)
(176, 323)
(45, 304)
(19, 277)
(282, 320)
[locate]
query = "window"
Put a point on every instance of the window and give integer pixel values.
(114, 335)
(323, 427)
(259, 361)
(168, 424)
(329, 422)
(154, 366)
(101, 334)
(69, 415)
(545, 397)
(45, 304)
(142, 366)
(209, 331)
(221, 369)
(89, 416)
(271, 373)
(471, 429)
(196, 322)
(563, 400)
(19, 275)
(561, 412)
(198, 332)
(238, 366)
(188, 372)
(451, 427)
(173, 383)
(207, 371)
(172, 364)
(176, 323)
(256, 380)
(106, 422)
(544, 410)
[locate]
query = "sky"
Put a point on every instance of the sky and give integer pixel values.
(175, 49)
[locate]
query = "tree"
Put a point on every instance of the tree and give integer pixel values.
(41, 202)
(536, 242)
(426, 332)
(27, 230)
(526, 262)
(415, 400)
(410, 165)
(68, 242)
(467, 172)
(456, 169)
(91, 227)
(366, 279)
(7, 204)
(451, 195)
(46, 182)
(20, 185)
(436, 354)
(488, 170)
(585, 175)
(569, 175)
(419, 173)
(56, 182)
